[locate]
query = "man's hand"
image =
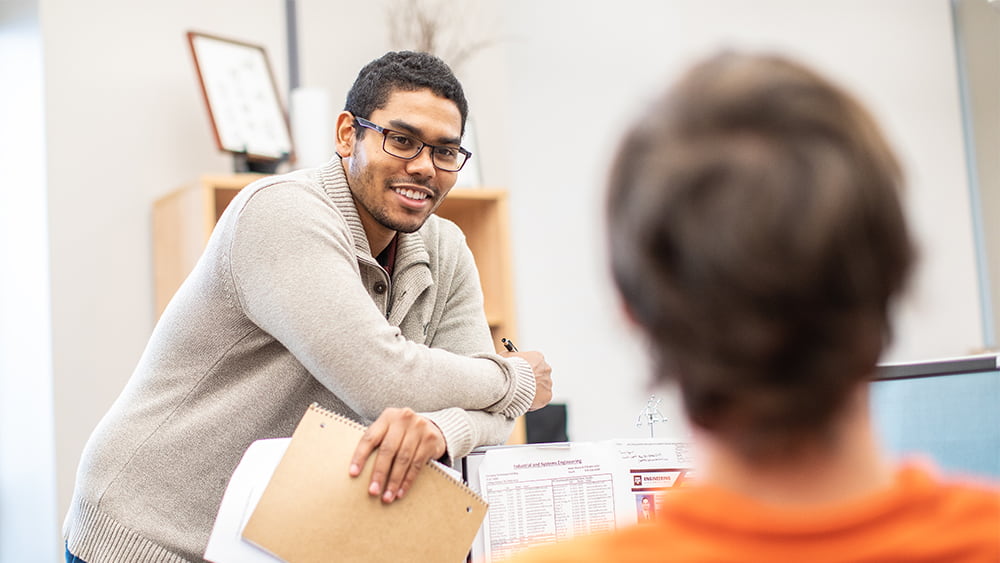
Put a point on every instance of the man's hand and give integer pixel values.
(543, 377)
(404, 441)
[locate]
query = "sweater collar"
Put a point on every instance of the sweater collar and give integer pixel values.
(411, 248)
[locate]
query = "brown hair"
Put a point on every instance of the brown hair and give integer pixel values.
(757, 237)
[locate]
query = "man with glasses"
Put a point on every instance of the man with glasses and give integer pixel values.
(333, 285)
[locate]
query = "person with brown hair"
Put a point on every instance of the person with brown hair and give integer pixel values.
(758, 242)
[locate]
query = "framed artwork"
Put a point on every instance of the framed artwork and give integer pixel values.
(242, 97)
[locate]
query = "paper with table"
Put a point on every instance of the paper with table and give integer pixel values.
(541, 494)
(312, 510)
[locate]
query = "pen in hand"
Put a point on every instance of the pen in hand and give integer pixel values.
(508, 345)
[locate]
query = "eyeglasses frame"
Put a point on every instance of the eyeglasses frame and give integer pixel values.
(385, 131)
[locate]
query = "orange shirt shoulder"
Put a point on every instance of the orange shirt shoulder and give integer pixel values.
(918, 519)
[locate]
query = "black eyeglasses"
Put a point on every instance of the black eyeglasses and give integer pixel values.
(408, 147)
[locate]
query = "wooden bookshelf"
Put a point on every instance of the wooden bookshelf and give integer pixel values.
(182, 222)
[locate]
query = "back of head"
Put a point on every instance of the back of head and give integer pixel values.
(757, 237)
(406, 71)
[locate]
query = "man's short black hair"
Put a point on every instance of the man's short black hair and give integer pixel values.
(407, 71)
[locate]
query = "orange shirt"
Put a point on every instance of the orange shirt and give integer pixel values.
(918, 519)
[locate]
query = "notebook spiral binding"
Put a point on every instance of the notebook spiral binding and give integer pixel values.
(337, 416)
(319, 409)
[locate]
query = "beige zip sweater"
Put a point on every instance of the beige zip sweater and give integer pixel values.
(286, 307)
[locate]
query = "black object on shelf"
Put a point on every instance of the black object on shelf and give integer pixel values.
(546, 425)
(244, 163)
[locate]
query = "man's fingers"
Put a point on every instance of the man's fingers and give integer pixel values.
(407, 456)
(429, 448)
(432, 446)
(369, 441)
(384, 458)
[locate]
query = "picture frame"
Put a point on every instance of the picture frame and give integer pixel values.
(242, 98)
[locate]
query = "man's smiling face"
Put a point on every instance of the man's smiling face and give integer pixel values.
(394, 194)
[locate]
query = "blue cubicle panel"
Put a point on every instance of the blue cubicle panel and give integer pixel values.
(947, 410)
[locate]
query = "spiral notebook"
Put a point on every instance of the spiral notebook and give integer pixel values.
(312, 510)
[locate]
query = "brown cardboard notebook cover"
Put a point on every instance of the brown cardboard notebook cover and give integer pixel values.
(312, 510)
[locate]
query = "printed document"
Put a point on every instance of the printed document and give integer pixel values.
(546, 493)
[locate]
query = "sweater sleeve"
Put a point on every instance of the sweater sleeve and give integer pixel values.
(296, 276)
(465, 430)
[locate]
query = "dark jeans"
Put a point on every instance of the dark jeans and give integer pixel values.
(70, 558)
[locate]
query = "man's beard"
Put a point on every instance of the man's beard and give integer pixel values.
(365, 181)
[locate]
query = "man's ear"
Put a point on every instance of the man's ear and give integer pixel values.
(344, 134)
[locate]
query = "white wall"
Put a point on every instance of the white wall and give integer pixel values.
(27, 452)
(125, 124)
(579, 68)
(978, 24)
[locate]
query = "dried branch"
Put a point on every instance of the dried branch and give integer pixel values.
(435, 27)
